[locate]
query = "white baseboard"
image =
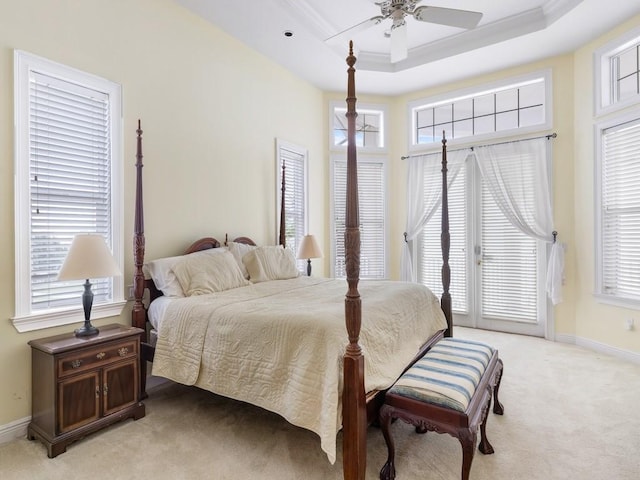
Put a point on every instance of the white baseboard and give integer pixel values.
(599, 347)
(14, 430)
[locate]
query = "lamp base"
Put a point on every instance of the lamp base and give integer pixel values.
(86, 330)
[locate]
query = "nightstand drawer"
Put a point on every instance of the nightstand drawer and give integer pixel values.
(76, 362)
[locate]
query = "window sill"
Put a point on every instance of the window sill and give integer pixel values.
(59, 318)
(617, 301)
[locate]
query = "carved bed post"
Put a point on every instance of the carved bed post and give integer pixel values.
(445, 242)
(139, 314)
(354, 411)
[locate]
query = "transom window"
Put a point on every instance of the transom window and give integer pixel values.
(626, 74)
(370, 127)
(617, 73)
(510, 107)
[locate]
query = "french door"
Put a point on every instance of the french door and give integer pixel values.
(497, 272)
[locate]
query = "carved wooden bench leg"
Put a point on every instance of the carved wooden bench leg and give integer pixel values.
(467, 438)
(498, 409)
(388, 471)
(484, 446)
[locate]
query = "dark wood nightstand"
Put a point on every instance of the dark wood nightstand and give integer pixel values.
(82, 384)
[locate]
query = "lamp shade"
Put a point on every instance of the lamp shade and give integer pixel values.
(309, 248)
(88, 257)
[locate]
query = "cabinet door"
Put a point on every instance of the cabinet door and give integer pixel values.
(120, 387)
(78, 401)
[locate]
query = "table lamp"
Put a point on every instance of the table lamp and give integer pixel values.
(88, 257)
(309, 249)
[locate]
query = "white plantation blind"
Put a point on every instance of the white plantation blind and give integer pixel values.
(70, 189)
(509, 266)
(371, 192)
(620, 211)
(430, 251)
(294, 160)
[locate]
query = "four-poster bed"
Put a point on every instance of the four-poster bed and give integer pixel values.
(360, 395)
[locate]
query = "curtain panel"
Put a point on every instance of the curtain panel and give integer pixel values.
(424, 196)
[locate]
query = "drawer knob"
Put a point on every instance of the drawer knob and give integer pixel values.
(76, 363)
(101, 355)
(123, 351)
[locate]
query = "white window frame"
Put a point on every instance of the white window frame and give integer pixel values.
(603, 75)
(282, 145)
(333, 247)
(25, 320)
(477, 91)
(599, 293)
(361, 108)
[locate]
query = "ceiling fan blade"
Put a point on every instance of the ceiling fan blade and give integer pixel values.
(448, 16)
(399, 49)
(349, 32)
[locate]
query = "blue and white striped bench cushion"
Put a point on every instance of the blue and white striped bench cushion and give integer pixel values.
(446, 375)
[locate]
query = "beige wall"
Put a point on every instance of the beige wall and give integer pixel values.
(210, 109)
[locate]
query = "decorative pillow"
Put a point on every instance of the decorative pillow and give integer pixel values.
(202, 274)
(160, 271)
(239, 250)
(270, 263)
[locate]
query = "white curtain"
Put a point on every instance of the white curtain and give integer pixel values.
(509, 170)
(424, 195)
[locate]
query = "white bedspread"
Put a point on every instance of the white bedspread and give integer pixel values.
(279, 344)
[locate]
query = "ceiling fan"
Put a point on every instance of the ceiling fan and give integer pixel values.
(398, 10)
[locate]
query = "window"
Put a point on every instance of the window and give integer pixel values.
(372, 177)
(617, 73)
(370, 127)
(294, 159)
(618, 211)
(68, 181)
(371, 139)
(516, 105)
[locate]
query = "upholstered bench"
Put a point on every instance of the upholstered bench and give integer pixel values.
(448, 390)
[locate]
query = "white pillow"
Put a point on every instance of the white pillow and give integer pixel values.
(239, 250)
(161, 272)
(270, 263)
(199, 275)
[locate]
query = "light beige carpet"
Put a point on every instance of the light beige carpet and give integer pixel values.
(570, 413)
